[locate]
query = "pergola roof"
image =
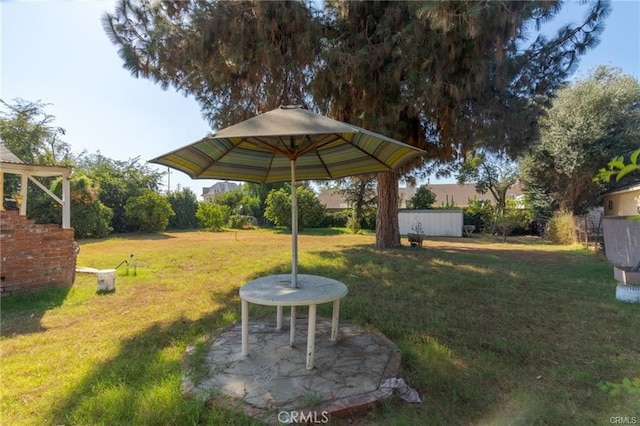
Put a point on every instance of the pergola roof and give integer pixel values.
(14, 165)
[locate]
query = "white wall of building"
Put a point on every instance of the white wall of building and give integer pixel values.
(434, 223)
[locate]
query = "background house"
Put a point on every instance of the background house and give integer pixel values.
(217, 189)
(447, 195)
(623, 201)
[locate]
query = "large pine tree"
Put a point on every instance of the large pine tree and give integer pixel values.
(444, 76)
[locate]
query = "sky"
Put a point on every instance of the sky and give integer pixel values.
(56, 52)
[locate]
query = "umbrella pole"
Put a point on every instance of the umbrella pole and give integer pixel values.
(294, 227)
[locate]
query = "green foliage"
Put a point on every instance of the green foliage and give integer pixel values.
(618, 169)
(260, 192)
(28, 131)
(511, 218)
(238, 221)
(590, 122)
(89, 217)
(480, 214)
(185, 205)
(148, 212)
(91, 220)
(492, 172)
(460, 73)
(353, 223)
(212, 217)
(337, 219)
(422, 199)
(119, 181)
(628, 386)
(561, 228)
(310, 211)
(239, 201)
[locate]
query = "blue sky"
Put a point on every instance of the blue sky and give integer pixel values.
(56, 51)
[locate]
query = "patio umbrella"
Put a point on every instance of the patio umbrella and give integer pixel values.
(288, 143)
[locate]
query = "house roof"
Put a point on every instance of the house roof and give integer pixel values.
(631, 187)
(332, 199)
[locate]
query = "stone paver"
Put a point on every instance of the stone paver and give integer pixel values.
(273, 378)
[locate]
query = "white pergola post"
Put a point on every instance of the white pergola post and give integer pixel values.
(23, 193)
(66, 202)
(2, 190)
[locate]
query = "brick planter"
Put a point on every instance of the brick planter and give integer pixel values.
(34, 256)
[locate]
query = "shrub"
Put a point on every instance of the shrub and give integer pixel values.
(337, 219)
(278, 208)
(561, 228)
(149, 212)
(238, 221)
(212, 217)
(480, 214)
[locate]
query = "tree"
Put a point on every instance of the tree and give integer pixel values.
(28, 131)
(119, 181)
(185, 205)
(148, 212)
(259, 193)
(438, 75)
(278, 208)
(422, 199)
(590, 122)
(359, 192)
(239, 201)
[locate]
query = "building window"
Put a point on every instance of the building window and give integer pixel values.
(610, 205)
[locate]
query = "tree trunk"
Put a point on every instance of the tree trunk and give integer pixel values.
(387, 229)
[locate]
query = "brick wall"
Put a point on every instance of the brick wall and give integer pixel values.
(34, 256)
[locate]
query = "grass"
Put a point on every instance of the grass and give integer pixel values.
(522, 332)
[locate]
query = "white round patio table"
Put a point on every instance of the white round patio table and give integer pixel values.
(276, 290)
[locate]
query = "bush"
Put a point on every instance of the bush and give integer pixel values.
(149, 212)
(238, 221)
(336, 219)
(212, 217)
(561, 228)
(278, 208)
(480, 214)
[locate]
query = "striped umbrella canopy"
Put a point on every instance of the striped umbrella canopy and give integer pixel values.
(288, 143)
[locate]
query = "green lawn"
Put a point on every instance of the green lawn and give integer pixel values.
(521, 332)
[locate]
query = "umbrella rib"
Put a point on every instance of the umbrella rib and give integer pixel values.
(324, 165)
(269, 147)
(317, 145)
(273, 156)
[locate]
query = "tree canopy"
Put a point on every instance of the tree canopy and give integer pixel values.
(443, 76)
(590, 122)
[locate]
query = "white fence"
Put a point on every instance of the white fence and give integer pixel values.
(434, 223)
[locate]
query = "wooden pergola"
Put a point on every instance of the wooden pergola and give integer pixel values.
(11, 164)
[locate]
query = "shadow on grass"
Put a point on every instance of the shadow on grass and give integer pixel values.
(488, 337)
(22, 313)
(140, 385)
